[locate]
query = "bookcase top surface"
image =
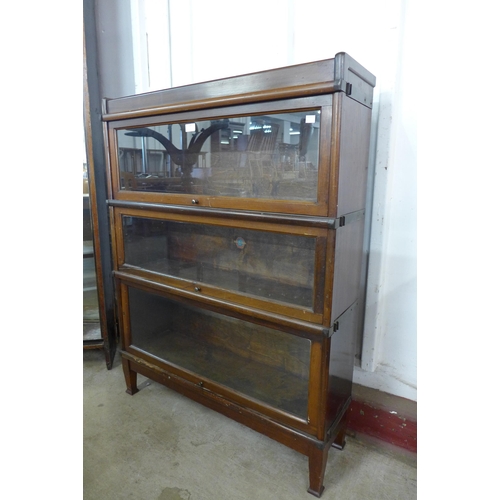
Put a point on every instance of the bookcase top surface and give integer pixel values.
(341, 73)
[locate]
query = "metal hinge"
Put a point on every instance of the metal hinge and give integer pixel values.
(336, 324)
(346, 219)
(342, 86)
(328, 332)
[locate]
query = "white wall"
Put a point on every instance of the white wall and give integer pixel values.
(389, 358)
(185, 41)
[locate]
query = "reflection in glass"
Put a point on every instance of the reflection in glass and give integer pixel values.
(264, 156)
(265, 364)
(91, 325)
(268, 265)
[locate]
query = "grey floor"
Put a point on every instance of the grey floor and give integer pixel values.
(159, 445)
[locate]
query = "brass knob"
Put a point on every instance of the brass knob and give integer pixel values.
(197, 289)
(195, 202)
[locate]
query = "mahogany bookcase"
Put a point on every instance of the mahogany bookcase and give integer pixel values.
(237, 212)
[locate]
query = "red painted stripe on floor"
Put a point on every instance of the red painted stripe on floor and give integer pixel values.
(383, 425)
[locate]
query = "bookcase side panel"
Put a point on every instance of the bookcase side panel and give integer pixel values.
(354, 148)
(348, 264)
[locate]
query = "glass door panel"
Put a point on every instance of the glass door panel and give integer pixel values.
(91, 320)
(273, 155)
(268, 265)
(265, 364)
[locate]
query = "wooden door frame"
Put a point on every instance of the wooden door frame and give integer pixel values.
(96, 160)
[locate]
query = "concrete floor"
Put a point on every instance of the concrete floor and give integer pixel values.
(159, 445)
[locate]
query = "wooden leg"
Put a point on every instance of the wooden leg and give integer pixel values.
(339, 441)
(130, 377)
(317, 466)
